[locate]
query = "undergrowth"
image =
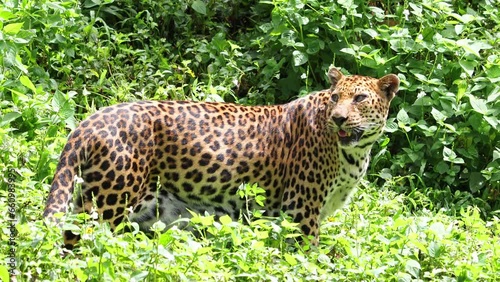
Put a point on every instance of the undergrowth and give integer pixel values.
(376, 237)
(430, 212)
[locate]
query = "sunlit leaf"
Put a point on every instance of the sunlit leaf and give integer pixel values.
(479, 105)
(8, 117)
(468, 66)
(413, 268)
(299, 58)
(403, 117)
(438, 116)
(290, 259)
(27, 82)
(199, 6)
(12, 28)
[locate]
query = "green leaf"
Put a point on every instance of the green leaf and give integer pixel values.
(468, 66)
(391, 126)
(493, 121)
(290, 259)
(413, 268)
(403, 117)
(442, 167)
(8, 117)
(473, 47)
(371, 32)
(476, 181)
(438, 116)
(6, 15)
(423, 101)
(493, 71)
(27, 82)
(434, 249)
(404, 277)
(4, 273)
(11, 58)
(385, 174)
(314, 45)
(461, 88)
(438, 229)
(450, 156)
(479, 105)
(299, 58)
(199, 7)
(225, 219)
(12, 28)
(348, 51)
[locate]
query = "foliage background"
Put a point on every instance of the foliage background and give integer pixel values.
(62, 60)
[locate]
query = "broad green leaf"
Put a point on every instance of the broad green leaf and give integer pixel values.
(494, 94)
(8, 117)
(470, 47)
(290, 259)
(348, 51)
(225, 219)
(27, 82)
(442, 167)
(493, 71)
(18, 97)
(493, 121)
(423, 101)
(385, 174)
(438, 229)
(391, 126)
(199, 7)
(461, 88)
(372, 33)
(448, 154)
(299, 58)
(476, 181)
(5, 15)
(314, 45)
(12, 28)
(479, 105)
(12, 58)
(403, 117)
(413, 268)
(438, 116)
(4, 273)
(434, 249)
(468, 66)
(303, 20)
(158, 226)
(404, 277)
(496, 154)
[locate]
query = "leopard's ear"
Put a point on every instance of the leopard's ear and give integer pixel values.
(334, 75)
(389, 85)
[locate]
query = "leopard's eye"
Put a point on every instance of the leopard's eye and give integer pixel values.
(335, 98)
(360, 97)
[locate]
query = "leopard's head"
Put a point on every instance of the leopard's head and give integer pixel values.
(359, 106)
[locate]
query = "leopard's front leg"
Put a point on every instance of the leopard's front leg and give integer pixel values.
(304, 208)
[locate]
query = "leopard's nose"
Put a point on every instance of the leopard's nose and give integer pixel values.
(339, 120)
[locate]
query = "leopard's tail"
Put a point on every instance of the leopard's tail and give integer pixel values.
(61, 192)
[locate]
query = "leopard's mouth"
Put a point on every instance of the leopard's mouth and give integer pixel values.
(349, 137)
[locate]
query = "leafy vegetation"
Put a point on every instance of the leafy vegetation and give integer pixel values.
(429, 212)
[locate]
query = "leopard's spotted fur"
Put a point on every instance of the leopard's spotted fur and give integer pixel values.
(166, 157)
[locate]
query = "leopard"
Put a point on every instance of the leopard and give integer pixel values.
(147, 161)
